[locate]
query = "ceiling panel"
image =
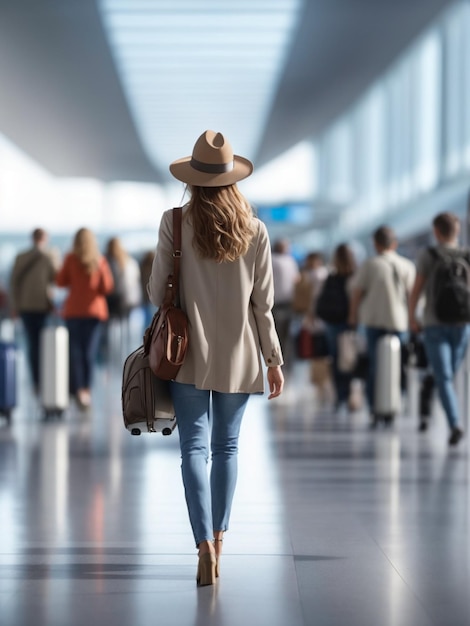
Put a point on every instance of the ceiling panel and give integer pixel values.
(187, 67)
(66, 101)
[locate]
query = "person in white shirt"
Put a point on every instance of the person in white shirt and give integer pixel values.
(285, 275)
(127, 294)
(379, 299)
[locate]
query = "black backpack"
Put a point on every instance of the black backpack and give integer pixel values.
(451, 285)
(333, 301)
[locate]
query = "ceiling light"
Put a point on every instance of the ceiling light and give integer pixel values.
(187, 66)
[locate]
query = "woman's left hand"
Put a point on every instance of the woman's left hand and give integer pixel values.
(275, 381)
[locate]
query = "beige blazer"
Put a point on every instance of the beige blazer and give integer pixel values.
(229, 310)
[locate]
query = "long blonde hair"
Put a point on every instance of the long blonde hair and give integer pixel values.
(115, 250)
(85, 247)
(222, 221)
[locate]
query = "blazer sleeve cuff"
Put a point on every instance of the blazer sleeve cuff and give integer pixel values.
(273, 358)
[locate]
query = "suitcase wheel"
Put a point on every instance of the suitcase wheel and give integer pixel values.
(135, 431)
(7, 414)
(386, 418)
(166, 431)
(53, 413)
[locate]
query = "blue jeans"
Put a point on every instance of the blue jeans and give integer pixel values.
(445, 349)
(209, 501)
(373, 335)
(84, 340)
(342, 380)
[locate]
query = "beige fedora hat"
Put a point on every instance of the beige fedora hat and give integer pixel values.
(212, 163)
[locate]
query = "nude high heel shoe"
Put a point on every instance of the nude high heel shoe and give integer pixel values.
(206, 569)
(218, 555)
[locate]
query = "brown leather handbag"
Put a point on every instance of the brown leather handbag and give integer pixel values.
(166, 339)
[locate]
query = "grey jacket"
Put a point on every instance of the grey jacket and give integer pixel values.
(31, 281)
(229, 309)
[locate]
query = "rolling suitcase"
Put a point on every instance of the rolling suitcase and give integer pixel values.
(8, 358)
(387, 391)
(54, 370)
(147, 406)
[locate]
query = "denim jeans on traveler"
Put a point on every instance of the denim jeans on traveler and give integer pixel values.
(84, 338)
(445, 349)
(204, 415)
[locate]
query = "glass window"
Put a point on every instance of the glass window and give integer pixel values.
(455, 84)
(465, 27)
(340, 180)
(374, 142)
(427, 111)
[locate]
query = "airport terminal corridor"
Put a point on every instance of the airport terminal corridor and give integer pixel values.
(332, 523)
(346, 125)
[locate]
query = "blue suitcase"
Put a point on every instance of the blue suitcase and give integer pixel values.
(7, 378)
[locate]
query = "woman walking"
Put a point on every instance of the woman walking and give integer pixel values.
(333, 309)
(226, 289)
(86, 274)
(127, 292)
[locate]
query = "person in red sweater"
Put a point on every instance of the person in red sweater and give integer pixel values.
(87, 275)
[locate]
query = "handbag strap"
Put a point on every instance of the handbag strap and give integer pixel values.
(177, 252)
(173, 280)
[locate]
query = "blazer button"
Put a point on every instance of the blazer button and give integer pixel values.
(269, 360)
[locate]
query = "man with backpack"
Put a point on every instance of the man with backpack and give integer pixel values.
(443, 273)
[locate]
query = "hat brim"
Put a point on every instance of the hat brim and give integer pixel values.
(182, 170)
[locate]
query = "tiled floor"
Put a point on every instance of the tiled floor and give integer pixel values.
(332, 524)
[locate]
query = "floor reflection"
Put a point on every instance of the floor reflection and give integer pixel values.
(332, 523)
